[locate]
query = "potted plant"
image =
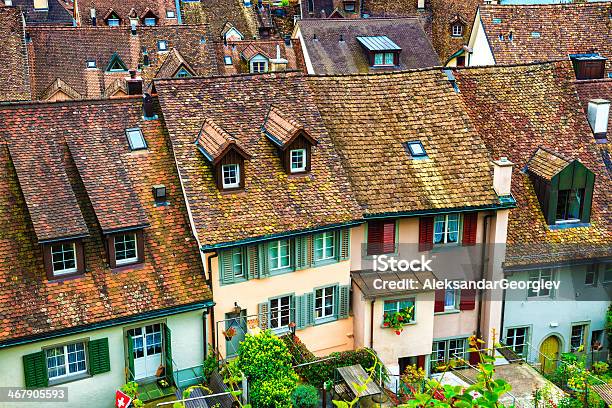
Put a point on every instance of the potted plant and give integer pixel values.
(229, 333)
(397, 320)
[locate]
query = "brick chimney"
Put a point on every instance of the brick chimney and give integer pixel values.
(134, 83)
(502, 176)
(599, 113)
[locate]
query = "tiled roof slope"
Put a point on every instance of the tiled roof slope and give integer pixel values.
(171, 275)
(518, 109)
(563, 29)
(272, 202)
(329, 55)
(14, 80)
(595, 89)
(546, 163)
(126, 9)
(235, 49)
(218, 12)
(370, 117)
(63, 53)
(55, 14)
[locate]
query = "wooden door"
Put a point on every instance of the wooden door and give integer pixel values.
(549, 354)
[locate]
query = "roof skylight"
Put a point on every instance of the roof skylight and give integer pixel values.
(416, 149)
(136, 139)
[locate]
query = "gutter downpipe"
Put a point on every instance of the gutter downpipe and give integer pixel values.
(372, 324)
(212, 310)
(179, 17)
(483, 266)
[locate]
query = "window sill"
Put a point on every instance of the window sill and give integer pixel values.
(65, 277)
(567, 225)
(324, 262)
(69, 379)
(447, 312)
(275, 272)
(412, 323)
(324, 320)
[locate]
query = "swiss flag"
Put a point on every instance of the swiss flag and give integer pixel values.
(122, 400)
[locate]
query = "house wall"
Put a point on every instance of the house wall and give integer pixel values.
(99, 390)
(556, 316)
(481, 51)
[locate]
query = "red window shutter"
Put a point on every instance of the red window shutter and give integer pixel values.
(426, 233)
(470, 223)
(474, 358)
(467, 299)
(381, 237)
(389, 236)
(439, 302)
(421, 362)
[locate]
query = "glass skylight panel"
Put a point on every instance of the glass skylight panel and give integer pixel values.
(416, 149)
(136, 139)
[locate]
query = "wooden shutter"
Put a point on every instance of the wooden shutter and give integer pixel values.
(470, 225)
(344, 245)
(264, 264)
(381, 237)
(309, 307)
(252, 262)
(225, 267)
(35, 370)
(130, 374)
(426, 227)
(439, 302)
(467, 299)
(301, 252)
(263, 312)
(344, 301)
(168, 354)
(300, 313)
(99, 358)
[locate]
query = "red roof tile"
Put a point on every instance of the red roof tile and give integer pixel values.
(126, 9)
(14, 78)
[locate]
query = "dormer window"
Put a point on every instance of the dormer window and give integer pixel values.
(294, 143)
(457, 30)
(231, 175)
(259, 66)
(298, 160)
(589, 66)
(64, 258)
(349, 6)
(381, 51)
(564, 188)
(162, 45)
(113, 20)
(125, 248)
(150, 21)
(116, 64)
(256, 58)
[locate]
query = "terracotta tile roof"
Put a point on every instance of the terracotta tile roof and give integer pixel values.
(282, 128)
(252, 50)
(235, 49)
(14, 77)
(272, 202)
(595, 89)
(329, 55)
(548, 32)
(318, 8)
(517, 110)
(172, 64)
(546, 163)
(125, 9)
(371, 117)
(219, 12)
(171, 275)
(215, 141)
(58, 52)
(55, 14)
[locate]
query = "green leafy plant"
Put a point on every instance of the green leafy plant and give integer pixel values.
(210, 363)
(305, 396)
(284, 3)
(397, 320)
(609, 327)
(131, 390)
(600, 367)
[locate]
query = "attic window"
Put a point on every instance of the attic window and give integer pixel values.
(228, 60)
(162, 45)
(457, 30)
(416, 149)
(113, 20)
(231, 175)
(159, 193)
(150, 21)
(349, 6)
(381, 50)
(298, 160)
(116, 64)
(91, 64)
(170, 14)
(136, 139)
(589, 66)
(535, 34)
(183, 73)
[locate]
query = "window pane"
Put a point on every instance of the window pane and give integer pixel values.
(453, 228)
(389, 58)
(231, 175)
(449, 299)
(298, 160)
(237, 263)
(63, 258)
(56, 363)
(125, 248)
(569, 204)
(378, 59)
(439, 225)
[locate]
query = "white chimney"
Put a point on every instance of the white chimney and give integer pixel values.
(599, 113)
(41, 4)
(421, 4)
(278, 63)
(8, 3)
(502, 176)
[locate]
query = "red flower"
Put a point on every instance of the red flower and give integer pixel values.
(386, 324)
(398, 332)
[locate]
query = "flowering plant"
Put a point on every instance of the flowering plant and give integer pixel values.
(397, 320)
(229, 333)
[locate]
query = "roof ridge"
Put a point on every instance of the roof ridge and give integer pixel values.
(22, 104)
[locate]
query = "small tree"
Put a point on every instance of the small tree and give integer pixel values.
(305, 396)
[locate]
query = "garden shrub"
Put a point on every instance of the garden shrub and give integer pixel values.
(600, 367)
(305, 396)
(273, 392)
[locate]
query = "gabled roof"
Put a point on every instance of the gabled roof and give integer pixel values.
(213, 141)
(218, 13)
(272, 202)
(14, 78)
(126, 9)
(370, 117)
(227, 27)
(282, 129)
(171, 276)
(518, 110)
(329, 55)
(546, 164)
(546, 32)
(60, 86)
(173, 64)
(251, 51)
(56, 14)
(291, 52)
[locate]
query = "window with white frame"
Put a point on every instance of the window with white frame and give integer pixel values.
(578, 335)
(113, 22)
(446, 229)
(170, 14)
(280, 312)
(67, 360)
(384, 59)
(64, 258)
(237, 264)
(298, 160)
(447, 350)
(231, 175)
(394, 306)
(324, 302)
(457, 30)
(542, 276)
(126, 251)
(279, 254)
(162, 45)
(324, 246)
(451, 296)
(150, 21)
(516, 339)
(259, 66)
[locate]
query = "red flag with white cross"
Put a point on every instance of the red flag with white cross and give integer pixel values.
(122, 400)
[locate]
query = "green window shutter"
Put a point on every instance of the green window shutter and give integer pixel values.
(299, 312)
(252, 262)
(343, 248)
(168, 354)
(264, 310)
(344, 299)
(301, 252)
(35, 370)
(225, 267)
(309, 309)
(588, 198)
(264, 264)
(130, 373)
(99, 358)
